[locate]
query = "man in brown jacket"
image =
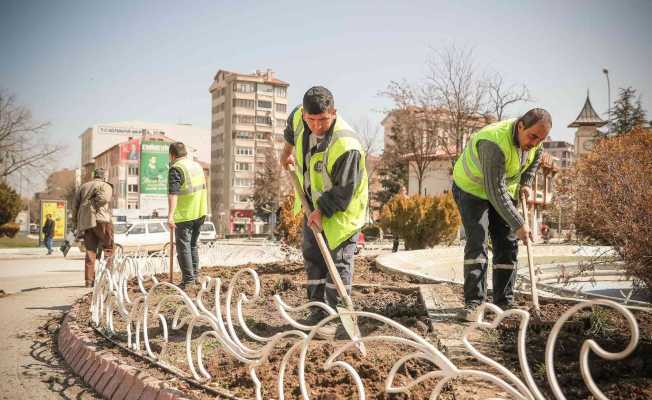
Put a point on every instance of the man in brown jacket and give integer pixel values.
(91, 217)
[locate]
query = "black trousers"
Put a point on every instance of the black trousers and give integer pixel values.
(480, 221)
(320, 284)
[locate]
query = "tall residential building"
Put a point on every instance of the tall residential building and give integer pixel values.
(249, 113)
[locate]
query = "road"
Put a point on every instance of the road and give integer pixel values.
(40, 290)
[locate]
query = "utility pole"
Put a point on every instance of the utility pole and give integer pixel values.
(606, 74)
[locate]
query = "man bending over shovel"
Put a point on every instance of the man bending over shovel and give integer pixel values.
(329, 164)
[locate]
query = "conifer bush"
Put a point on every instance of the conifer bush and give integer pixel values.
(422, 221)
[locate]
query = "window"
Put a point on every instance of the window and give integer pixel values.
(132, 205)
(218, 123)
(241, 198)
(263, 135)
(243, 182)
(243, 87)
(244, 103)
(264, 120)
(155, 228)
(281, 92)
(138, 229)
(244, 151)
(281, 107)
(244, 119)
(132, 188)
(133, 171)
(265, 88)
(264, 104)
(280, 123)
(243, 135)
(242, 166)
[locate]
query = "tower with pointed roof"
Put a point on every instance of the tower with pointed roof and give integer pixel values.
(587, 124)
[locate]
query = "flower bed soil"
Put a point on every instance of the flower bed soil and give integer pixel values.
(395, 297)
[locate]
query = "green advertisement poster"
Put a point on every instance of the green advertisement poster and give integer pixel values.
(154, 159)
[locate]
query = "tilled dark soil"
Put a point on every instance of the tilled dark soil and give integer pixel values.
(397, 298)
(627, 379)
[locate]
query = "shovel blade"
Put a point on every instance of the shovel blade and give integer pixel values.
(350, 325)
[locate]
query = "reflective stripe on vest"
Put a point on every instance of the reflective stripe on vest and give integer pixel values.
(467, 173)
(342, 224)
(192, 198)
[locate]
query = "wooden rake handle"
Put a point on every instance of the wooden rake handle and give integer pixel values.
(530, 259)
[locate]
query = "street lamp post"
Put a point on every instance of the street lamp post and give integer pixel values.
(606, 73)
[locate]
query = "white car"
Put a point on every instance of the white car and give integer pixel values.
(142, 235)
(207, 232)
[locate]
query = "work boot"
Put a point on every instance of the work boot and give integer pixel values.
(507, 305)
(315, 316)
(468, 313)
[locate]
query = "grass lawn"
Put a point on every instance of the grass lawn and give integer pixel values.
(19, 240)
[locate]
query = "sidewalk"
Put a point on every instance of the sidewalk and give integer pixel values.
(38, 252)
(444, 263)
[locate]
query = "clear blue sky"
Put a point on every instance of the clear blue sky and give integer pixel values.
(77, 63)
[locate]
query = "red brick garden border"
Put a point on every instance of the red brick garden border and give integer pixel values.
(103, 371)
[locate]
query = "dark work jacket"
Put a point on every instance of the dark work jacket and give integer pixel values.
(48, 228)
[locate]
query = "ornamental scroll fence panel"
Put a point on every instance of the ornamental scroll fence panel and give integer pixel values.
(227, 328)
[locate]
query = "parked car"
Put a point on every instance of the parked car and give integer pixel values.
(33, 228)
(207, 232)
(145, 235)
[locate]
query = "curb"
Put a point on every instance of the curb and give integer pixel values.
(102, 371)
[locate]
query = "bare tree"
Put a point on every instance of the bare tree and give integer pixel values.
(267, 184)
(455, 84)
(501, 96)
(416, 127)
(371, 140)
(23, 146)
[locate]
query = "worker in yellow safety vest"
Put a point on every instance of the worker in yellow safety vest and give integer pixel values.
(498, 165)
(187, 209)
(330, 165)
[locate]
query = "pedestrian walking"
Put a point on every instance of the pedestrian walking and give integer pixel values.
(187, 209)
(330, 165)
(91, 219)
(48, 232)
(402, 193)
(496, 168)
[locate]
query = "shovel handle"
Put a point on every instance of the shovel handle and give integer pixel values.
(171, 253)
(325, 252)
(530, 259)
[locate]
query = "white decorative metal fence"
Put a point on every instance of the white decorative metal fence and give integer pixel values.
(228, 327)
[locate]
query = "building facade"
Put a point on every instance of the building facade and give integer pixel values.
(101, 137)
(249, 114)
(562, 152)
(438, 177)
(137, 169)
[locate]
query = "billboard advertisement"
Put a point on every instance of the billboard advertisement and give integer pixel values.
(56, 208)
(130, 151)
(154, 165)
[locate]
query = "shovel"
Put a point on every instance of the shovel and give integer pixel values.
(171, 253)
(348, 321)
(530, 262)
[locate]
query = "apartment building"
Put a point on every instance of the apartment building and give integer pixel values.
(249, 114)
(563, 152)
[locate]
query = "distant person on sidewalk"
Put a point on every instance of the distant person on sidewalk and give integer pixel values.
(403, 193)
(48, 232)
(91, 217)
(188, 206)
(497, 166)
